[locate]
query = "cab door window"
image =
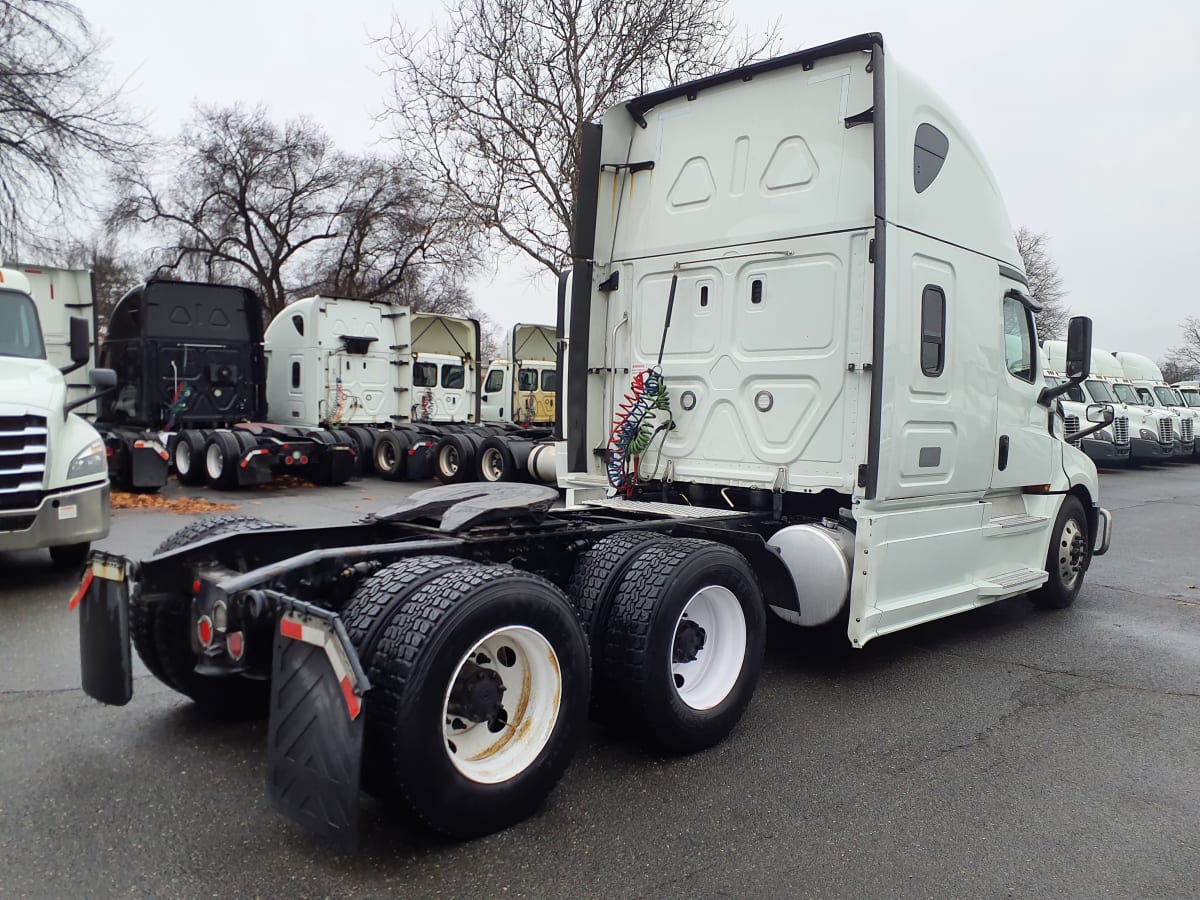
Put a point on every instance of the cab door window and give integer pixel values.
(1018, 339)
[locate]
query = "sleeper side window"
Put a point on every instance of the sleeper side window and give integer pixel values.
(933, 330)
(1018, 339)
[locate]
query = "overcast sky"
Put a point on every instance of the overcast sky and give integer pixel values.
(1087, 113)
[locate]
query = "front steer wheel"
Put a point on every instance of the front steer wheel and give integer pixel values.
(1067, 558)
(480, 685)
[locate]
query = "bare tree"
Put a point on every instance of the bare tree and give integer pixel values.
(1184, 360)
(494, 103)
(244, 201)
(56, 115)
(1175, 369)
(1045, 284)
(113, 273)
(397, 240)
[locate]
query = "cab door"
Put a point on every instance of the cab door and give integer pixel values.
(493, 401)
(1023, 452)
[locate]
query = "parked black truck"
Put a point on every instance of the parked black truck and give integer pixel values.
(191, 389)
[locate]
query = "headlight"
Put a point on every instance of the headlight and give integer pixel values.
(1148, 435)
(91, 460)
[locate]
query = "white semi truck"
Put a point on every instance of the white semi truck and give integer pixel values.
(801, 377)
(54, 490)
(1110, 445)
(522, 386)
(1146, 378)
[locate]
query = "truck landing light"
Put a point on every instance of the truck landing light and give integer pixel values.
(235, 644)
(204, 632)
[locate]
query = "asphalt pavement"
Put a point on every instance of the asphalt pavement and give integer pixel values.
(1007, 752)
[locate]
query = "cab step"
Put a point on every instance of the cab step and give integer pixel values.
(1016, 582)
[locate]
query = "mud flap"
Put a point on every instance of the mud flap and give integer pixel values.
(148, 465)
(104, 655)
(256, 470)
(315, 733)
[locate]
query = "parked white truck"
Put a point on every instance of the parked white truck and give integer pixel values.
(1146, 378)
(54, 489)
(531, 352)
(837, 413)
(1108, 446)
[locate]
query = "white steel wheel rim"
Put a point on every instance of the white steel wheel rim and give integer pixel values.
(183, 458)
(493, 465)
(387, 456)
(532, 695)
(705, 681)
(214, 459)
(1068, 567)
(448, 461)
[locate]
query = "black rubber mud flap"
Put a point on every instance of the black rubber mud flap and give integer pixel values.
(315, 735)
(104, 630)
(148, 470)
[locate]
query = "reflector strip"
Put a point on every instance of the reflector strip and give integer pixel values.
(352, 704)
(291, 626)
(83, 588)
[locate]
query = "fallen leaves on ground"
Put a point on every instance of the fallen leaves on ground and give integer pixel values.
(284, 483)
(183, 505)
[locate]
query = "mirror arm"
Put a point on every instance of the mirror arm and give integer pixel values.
(84, 401)
(1049, 393)
(67, 370)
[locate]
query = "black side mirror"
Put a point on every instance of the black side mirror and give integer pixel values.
(81, 344)
(102, 378)
(1079, 348)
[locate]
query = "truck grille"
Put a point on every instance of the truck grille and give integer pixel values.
(1185, 429)
(1166, 434)
(1120, 428)
(1070, 427)
(22, 461)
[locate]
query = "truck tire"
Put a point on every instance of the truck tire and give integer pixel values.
(221, 454)
(389, 453)
(454, 458)
(1067, 557)
(189, 457)
(464, 756)
(364, 440)
(70, 556)
(155, 632)
(683, 647)
(496, 461)
(374, 603)
(598, 574)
